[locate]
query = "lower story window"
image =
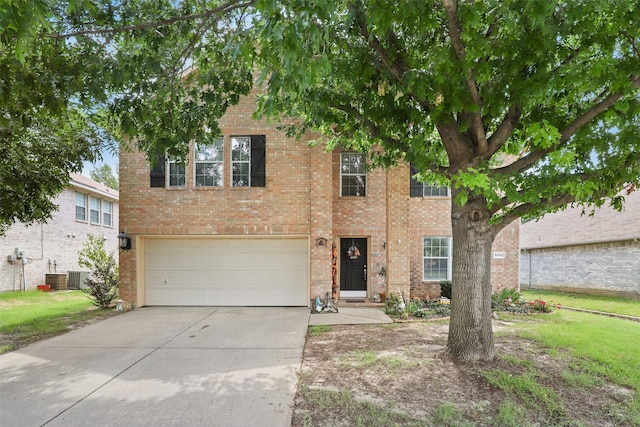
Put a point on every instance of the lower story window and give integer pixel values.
(437, 258)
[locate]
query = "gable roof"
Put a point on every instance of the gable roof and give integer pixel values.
(569, 227)
(84, 183)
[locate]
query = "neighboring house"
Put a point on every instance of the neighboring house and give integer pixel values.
(84, 207)
(572, 252)
(257, 219)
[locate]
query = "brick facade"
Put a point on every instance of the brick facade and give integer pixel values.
(609, 268)
(59, 240)
(302, 197)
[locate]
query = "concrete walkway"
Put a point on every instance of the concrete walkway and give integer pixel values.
(351, 316)
(196, 366)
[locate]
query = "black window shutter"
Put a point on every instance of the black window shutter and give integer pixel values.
(156, 177)
(258, 160)
(416, 187)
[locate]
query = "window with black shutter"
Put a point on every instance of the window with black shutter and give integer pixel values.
(416, 188)
(248, 163)
(258, 160)
(157, 177)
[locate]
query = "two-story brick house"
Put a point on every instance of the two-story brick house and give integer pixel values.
(254, 218)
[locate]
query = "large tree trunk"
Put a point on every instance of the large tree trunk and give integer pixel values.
(470, 332)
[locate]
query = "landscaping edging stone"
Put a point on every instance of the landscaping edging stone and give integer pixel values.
(603, 313)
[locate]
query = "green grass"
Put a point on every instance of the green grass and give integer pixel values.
(369, 359)
(448, 414)
(526, 387)
(22, 307)
(619, 305)
(603, 347)
(318, 330)
(26, 317)
(510, 414)
(353, 412)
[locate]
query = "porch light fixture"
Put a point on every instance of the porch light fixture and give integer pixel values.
(321, 241)
(124, 241)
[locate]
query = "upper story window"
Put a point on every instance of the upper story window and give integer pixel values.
(248, 164)
(248, 161)
(353, 176)
(437, 258)
(240, 161)
(209, 163)
(177, 173)
(436, 191)
(94, 210)
(81, 207)
(107, 213)
(418, 189)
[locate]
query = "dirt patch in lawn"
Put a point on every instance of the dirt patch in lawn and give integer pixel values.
(395, 375)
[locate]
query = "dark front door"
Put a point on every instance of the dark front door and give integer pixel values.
(353, 268)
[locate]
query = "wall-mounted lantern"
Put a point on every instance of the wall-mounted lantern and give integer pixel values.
(124, 241)
(321, 241)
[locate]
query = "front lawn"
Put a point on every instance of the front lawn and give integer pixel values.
(27, 317)
(619, 305)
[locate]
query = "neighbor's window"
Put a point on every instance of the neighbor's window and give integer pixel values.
(353, 177)
(437, 258)
(107, 213)
(94, 210)
(177, 173)
(81, 207)
(209, 163)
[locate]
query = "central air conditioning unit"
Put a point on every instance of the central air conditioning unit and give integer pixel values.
(77, 279)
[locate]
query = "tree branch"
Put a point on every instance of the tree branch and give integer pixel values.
(226, 7)
(503, 132)
(396, 71)
(454, 33)
(530, 159)
(525, 208)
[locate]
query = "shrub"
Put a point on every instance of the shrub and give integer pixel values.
(445, 289)
(102, 286)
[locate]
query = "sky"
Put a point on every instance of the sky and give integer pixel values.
(107, 157)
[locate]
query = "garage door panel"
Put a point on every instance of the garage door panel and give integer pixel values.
(219, 271)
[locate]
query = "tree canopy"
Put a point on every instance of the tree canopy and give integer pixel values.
(105, 175)
(522, 106)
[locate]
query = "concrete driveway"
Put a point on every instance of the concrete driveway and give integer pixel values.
(195, 366)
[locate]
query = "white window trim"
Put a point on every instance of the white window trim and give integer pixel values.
(98, 222)
(110, 213)
(168, 174)
(449, 259)
(240, 161)
(343, 174)
(424, 190)
(86, 207)
(215, 162)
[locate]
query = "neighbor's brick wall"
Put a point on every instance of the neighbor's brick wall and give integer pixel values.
(281, 208)
(603, 268)
(61, 239)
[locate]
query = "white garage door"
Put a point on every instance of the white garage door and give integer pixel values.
(227, 272)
